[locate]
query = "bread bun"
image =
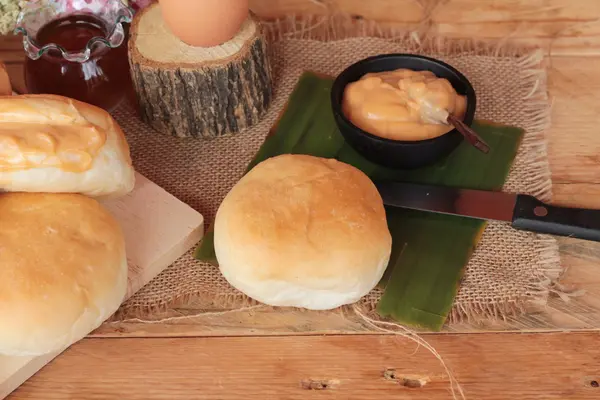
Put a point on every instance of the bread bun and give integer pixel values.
(63, 270)
(303, 231)
(5, 86)
(55, 144)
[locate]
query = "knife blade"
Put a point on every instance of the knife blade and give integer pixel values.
(523, 212)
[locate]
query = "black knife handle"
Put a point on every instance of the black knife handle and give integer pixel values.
(532, 215)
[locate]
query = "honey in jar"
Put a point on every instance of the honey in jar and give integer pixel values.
(79, 54)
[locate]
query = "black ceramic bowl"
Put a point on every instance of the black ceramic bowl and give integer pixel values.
(396, 153)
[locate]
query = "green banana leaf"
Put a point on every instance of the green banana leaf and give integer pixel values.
(429, 251)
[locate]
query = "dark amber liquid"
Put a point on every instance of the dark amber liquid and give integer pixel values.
(103, 80)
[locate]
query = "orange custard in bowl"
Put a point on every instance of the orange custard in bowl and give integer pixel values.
(402, 104)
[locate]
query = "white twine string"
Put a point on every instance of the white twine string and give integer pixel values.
(407, 333)
(187, 317)
(380, 326)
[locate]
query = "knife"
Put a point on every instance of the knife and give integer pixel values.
(523, 212)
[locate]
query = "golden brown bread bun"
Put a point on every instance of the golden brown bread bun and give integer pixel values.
(55, 144)
(63, 270)
(303, 231)
(5, 86)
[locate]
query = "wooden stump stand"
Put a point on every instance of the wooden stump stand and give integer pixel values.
(198, 92)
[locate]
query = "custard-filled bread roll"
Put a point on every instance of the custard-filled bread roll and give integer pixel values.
(5, 87)
(55, 144)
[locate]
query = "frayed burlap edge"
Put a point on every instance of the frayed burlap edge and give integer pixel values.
(420, 40)
(533, 74)
(548, 283)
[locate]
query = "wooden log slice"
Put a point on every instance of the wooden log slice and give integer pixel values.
(198, 92)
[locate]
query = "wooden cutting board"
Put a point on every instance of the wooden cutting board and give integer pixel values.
(158, 230)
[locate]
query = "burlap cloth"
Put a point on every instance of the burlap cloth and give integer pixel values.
(508, 270)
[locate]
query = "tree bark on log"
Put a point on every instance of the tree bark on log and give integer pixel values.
(202, 93)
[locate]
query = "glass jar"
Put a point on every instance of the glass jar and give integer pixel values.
(77, 49)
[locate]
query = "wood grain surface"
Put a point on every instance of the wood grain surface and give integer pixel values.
(487, 366)
(176, 364)
(568, 27)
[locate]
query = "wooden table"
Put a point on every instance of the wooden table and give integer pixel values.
(554, 356)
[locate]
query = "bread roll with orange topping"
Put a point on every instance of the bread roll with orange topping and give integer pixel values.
(5, 87)
(55, 144)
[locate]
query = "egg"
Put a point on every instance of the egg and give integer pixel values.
(204, 23)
